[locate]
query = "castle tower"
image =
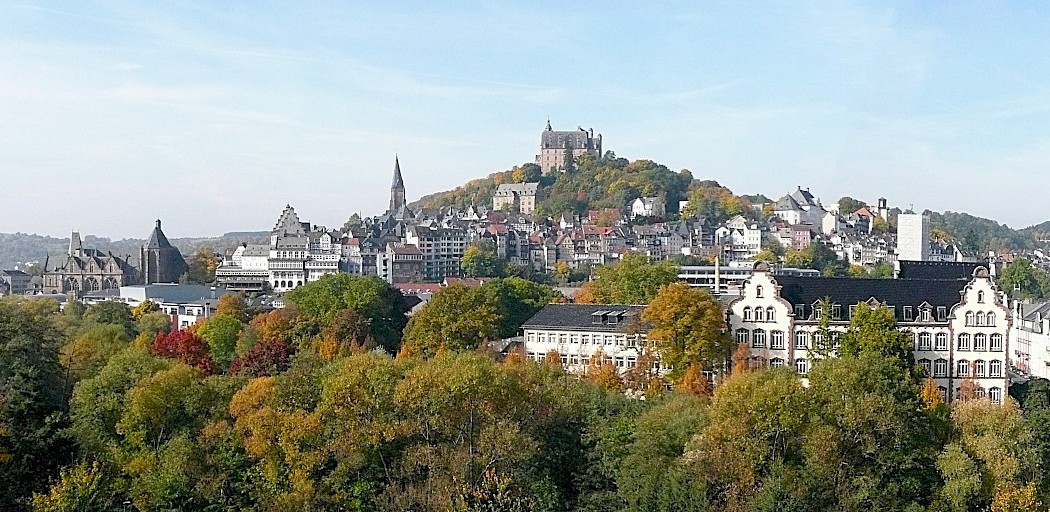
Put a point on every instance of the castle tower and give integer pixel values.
(397, 189)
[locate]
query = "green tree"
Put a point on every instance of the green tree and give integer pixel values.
(874, 330)
(456, 318)
(221, 333)
(848, 205)
(80, 487)
(517, 299)
(1021, 280)
(33, 400)
(112, 313)
(633, 280)
(89, 351)
(202, 266)
(653, 475)
(481, 260)
(870, 444)
(687, 328)
(370, 297)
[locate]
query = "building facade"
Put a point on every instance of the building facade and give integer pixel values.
(554, 145)
(960, 327)
(516, 196)
(159, 261)
(579, 332)
(913, 237)
(87, 270)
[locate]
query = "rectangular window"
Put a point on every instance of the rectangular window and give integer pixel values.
(800, 311)
(852, 309)
(924, 341)
(997, 343)
(907, 314)
(964, 342)
(980, 342)
(942, 313)
(836, 312)
(758, 338)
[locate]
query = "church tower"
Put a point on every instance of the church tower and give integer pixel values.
(397, 189)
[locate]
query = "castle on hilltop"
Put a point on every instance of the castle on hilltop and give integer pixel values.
(555, 144)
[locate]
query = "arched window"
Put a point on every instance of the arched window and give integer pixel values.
(91, 284)
(941, 341)
(940, 368)
(747, 313)
(741, 335)
(776, 362)
(964, 341)
(802, 339)
(760, 315)
(758, 291)
(995, 395)
(758, 338)
(802, 366)
(110, 283)
(990, 319)
(996, 343)
(969, 318)
(944, 393)
(927, 367)
(776, 340)
(924, 340)
(980, 318)
(771, 314)
(962, 368)
(995, 368)
(980, 342)
(979, 368)
(980, 297)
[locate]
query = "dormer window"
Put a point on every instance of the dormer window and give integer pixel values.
(908, 316)
(925, 314)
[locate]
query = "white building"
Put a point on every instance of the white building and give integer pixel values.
(442, 249)
(579, 332)
(1030, 339)
(800, 207)
(739, 239)
(648, 207)
(185, 304)
(913, 236)
(516, 196)
(960, 327)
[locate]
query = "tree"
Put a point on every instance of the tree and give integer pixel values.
(653, 476)
(687, 328)
(848, 205)
(112, 313)
(481, 260)
(233, 305)
(33, 400)
(874, 330)
(1022, 280)
(870, 443)
(371, 297)
(88, 352)
(265, 358)
(186, 347)
(756, 422)
(202, 266)
(633, 280)
(457, 318)
(518, 299)
(80, 487)
(221, 332)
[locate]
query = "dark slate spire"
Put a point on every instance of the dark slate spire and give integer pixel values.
(397, 189)
(549, 125)
(157, 240)
(398, 181)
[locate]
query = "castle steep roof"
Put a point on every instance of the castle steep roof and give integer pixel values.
(157, 240)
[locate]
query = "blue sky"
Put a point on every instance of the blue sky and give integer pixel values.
(213, 115)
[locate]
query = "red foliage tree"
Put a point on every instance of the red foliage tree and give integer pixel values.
(186, 347)
(266, 358)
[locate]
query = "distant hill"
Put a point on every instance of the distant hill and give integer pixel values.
(611, 182)
(20, 248)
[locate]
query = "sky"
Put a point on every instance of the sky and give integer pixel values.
(212, 116)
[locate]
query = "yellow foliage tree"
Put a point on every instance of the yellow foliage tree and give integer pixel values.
(931, 396)
(694, 382)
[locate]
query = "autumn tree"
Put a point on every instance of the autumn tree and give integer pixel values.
(232, 305)
(687, 327)
(186, 347)
(371, 297)
(202, 266)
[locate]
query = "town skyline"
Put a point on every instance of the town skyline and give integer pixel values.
(221, 115)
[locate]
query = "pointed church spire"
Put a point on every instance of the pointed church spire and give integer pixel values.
(397, 189)
(398, 182)
(549, 125)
